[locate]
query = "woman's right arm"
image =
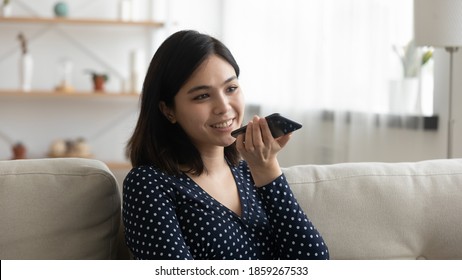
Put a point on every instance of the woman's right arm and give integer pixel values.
(152, 230)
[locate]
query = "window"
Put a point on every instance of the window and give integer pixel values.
(322, 54)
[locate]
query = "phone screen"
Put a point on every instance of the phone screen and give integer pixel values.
(278, 125)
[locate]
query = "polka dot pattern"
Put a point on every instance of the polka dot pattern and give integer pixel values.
(171, 217)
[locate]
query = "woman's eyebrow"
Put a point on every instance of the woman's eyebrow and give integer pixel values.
(202, 87)
(230, 79)
(197, 88)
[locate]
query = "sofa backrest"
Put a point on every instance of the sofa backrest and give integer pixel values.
(58, 209)
(384, 210)
(71, 208)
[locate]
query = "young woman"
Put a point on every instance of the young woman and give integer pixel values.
(196, 192)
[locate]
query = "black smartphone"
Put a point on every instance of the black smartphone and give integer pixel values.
(278, 125)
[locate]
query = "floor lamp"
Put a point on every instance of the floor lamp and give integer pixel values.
(438, 23)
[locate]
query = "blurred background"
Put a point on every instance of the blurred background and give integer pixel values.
(349, 71)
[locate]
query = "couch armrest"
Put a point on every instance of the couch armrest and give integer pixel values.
(64, 208)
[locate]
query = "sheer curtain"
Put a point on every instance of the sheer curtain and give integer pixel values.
(326, 63)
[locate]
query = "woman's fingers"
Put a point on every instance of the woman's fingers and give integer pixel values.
(283, 140)
(240, 142)
(265, 131)
(257, 140)
(248, 143)
(258, 137)
(259, 149)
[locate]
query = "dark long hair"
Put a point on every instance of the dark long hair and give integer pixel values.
(155, 140)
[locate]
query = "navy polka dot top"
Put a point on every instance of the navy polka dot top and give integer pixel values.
(171, 217)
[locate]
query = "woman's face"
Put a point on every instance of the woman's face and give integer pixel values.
(210, 105)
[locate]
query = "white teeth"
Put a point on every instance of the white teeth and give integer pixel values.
(223, 124)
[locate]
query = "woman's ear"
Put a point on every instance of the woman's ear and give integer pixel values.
(168, 112)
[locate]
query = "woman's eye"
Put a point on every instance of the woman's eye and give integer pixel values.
(232, 89)
(201, 96)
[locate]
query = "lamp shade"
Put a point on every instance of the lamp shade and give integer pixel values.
(438, 23)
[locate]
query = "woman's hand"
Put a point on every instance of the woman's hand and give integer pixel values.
(259, 149)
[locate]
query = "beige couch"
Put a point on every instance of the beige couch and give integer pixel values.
(59, 209)
(70, 209)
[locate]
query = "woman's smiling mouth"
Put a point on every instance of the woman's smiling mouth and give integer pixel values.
(225, 124)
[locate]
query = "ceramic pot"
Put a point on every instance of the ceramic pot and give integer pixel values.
(61, 9)
(98, 82)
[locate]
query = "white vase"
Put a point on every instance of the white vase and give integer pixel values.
(125, 10)
(26, 67)
(5, 10)
(136, 61)
(404, 96)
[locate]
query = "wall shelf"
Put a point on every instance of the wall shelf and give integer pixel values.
(80, 21)
(97, 40)
(60, 94)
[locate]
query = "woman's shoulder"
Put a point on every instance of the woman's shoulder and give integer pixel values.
(146, 169)
(148, 172)
(149, 178)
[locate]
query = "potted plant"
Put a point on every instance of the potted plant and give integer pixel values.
(99, 80)
(413, 58)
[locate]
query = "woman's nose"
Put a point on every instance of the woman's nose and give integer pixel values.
(222, 104)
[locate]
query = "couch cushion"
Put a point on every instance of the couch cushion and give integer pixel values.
(384, 210)
(58, 209)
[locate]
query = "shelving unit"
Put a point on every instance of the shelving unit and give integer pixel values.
(110, 107)
(58, 23)
(79, 21)
(88, 101)
(60, 94)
